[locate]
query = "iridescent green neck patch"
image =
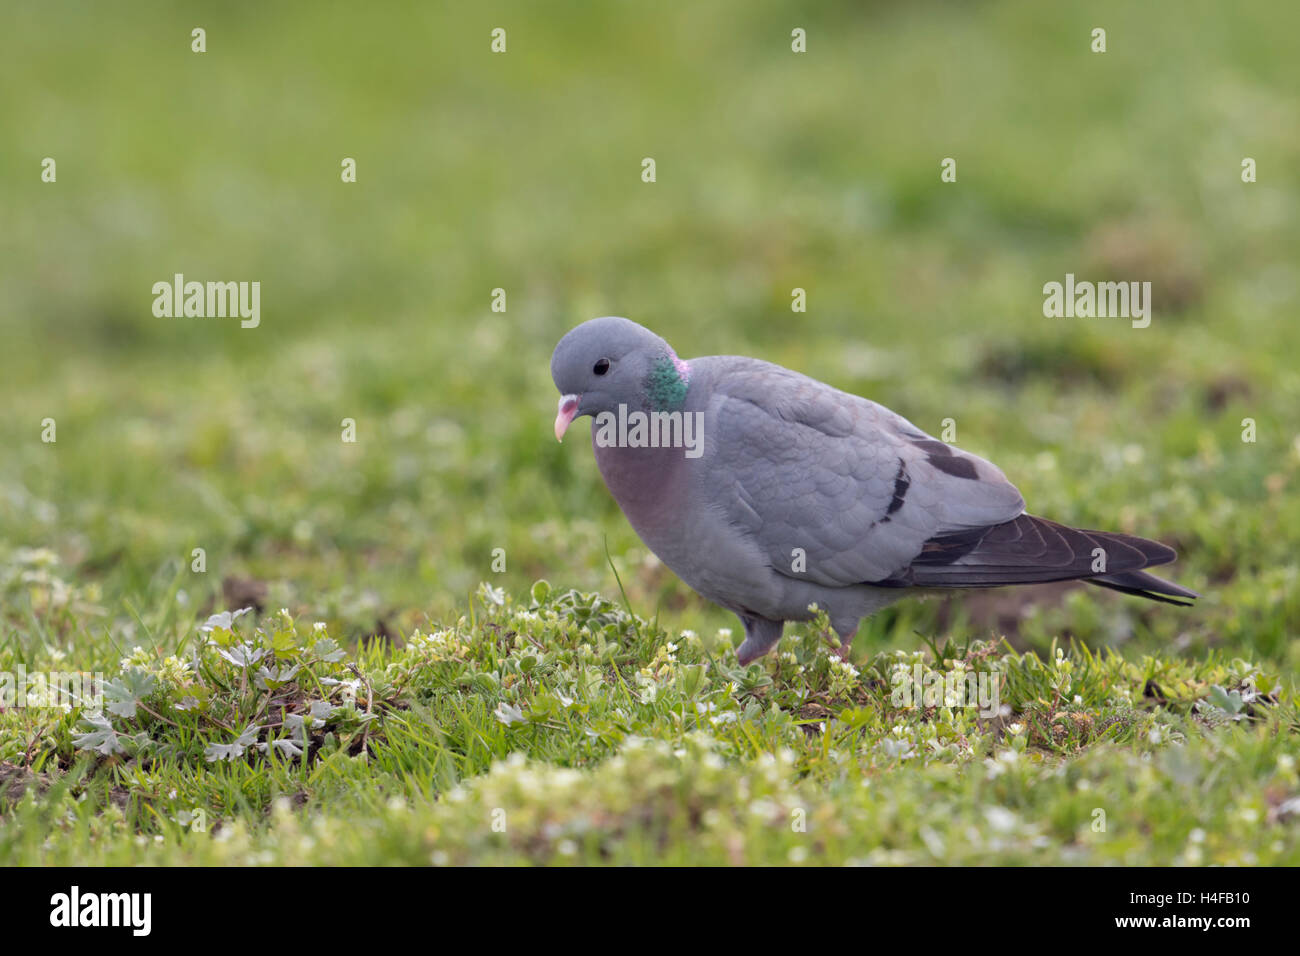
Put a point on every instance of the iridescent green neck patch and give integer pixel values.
(667, 382)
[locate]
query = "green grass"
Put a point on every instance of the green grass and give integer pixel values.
(562, 729)
(522, 171)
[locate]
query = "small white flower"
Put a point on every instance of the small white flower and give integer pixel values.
(226, 620)
(508, 714)
(1000, 819)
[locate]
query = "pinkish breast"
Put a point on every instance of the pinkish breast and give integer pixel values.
(648, 484)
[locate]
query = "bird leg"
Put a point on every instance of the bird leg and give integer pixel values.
(846, 644)
(760, 637)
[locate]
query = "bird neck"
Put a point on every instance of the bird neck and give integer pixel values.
(667, 382)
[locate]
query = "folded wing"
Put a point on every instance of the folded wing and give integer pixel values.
(856, 489)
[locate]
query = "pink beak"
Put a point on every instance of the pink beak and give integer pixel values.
(568, 409)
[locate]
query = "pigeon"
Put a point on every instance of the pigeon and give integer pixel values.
(769, 492)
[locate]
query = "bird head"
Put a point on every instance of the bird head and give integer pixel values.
(610, 361)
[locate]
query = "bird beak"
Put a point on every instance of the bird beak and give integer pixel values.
(568, 409)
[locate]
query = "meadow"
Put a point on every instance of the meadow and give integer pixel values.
(458, 650)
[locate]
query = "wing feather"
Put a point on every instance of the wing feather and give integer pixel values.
(859, 489)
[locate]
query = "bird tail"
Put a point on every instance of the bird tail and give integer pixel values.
(1032, 550)
(1142, 584)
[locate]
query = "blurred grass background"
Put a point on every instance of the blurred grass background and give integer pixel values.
(522, 171)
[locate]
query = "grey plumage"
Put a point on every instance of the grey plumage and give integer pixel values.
(805, 494)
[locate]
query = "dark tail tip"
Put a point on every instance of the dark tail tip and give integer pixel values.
(1144, 584)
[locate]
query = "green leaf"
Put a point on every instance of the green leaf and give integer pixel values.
(101, 738)
(541, 591)
(232, 751)
(1230, 702)
(328, 650)
(124, 693)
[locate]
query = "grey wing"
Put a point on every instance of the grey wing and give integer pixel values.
(836, 489)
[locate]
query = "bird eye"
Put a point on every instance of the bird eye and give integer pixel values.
(601, 367)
